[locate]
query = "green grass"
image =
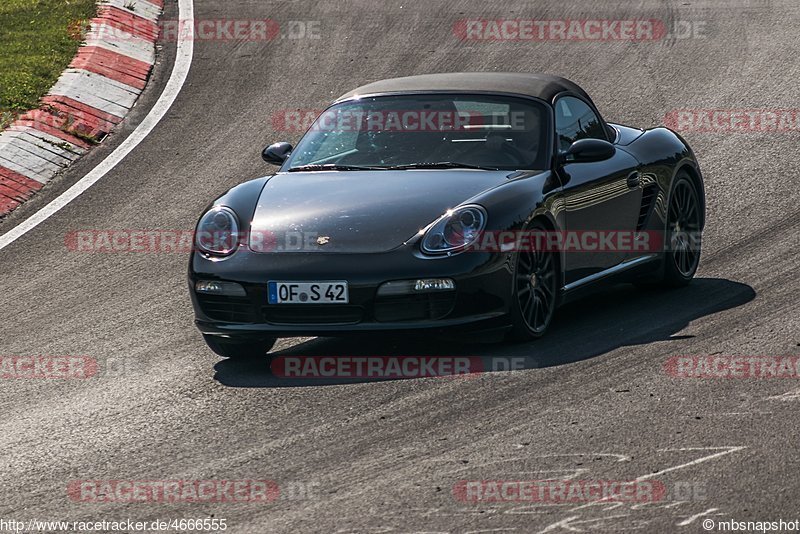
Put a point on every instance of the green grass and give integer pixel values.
(37, 41)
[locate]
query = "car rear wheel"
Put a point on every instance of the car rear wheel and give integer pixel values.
(683, 233)
(535, 291)
(239, 349)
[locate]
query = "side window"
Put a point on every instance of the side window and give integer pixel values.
(576, 120)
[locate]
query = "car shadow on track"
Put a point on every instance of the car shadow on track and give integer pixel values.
(615, 317)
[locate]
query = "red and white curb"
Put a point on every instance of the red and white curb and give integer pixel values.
(92, 96)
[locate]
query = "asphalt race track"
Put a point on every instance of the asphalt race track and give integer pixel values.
(594, 401)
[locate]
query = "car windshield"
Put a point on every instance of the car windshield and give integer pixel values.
(426, 131)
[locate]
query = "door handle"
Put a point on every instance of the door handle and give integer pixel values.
(634, 179)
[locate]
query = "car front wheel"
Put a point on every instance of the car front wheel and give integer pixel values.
(535, 291)
(683, 233)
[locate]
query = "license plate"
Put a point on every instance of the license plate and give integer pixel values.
(308, 292)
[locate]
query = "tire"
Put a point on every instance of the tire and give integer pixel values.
(683, 235)
(534, 291)
(239, 349)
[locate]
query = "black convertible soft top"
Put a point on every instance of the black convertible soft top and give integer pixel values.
(537, 85)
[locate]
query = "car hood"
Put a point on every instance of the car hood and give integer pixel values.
(358, 211)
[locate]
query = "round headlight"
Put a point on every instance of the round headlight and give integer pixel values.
(218, 231)
(455, 230)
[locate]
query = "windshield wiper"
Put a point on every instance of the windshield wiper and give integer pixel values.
(441, 165)
(333, 167)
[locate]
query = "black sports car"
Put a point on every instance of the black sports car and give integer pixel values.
(478, 201)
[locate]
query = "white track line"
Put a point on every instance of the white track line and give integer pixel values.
(183, 62)
(725, 450)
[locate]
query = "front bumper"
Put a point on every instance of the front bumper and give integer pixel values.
(480, 301)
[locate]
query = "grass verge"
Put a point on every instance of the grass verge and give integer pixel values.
(38, 39)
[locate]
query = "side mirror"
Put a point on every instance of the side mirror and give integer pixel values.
(277, 153)
(588, 150)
